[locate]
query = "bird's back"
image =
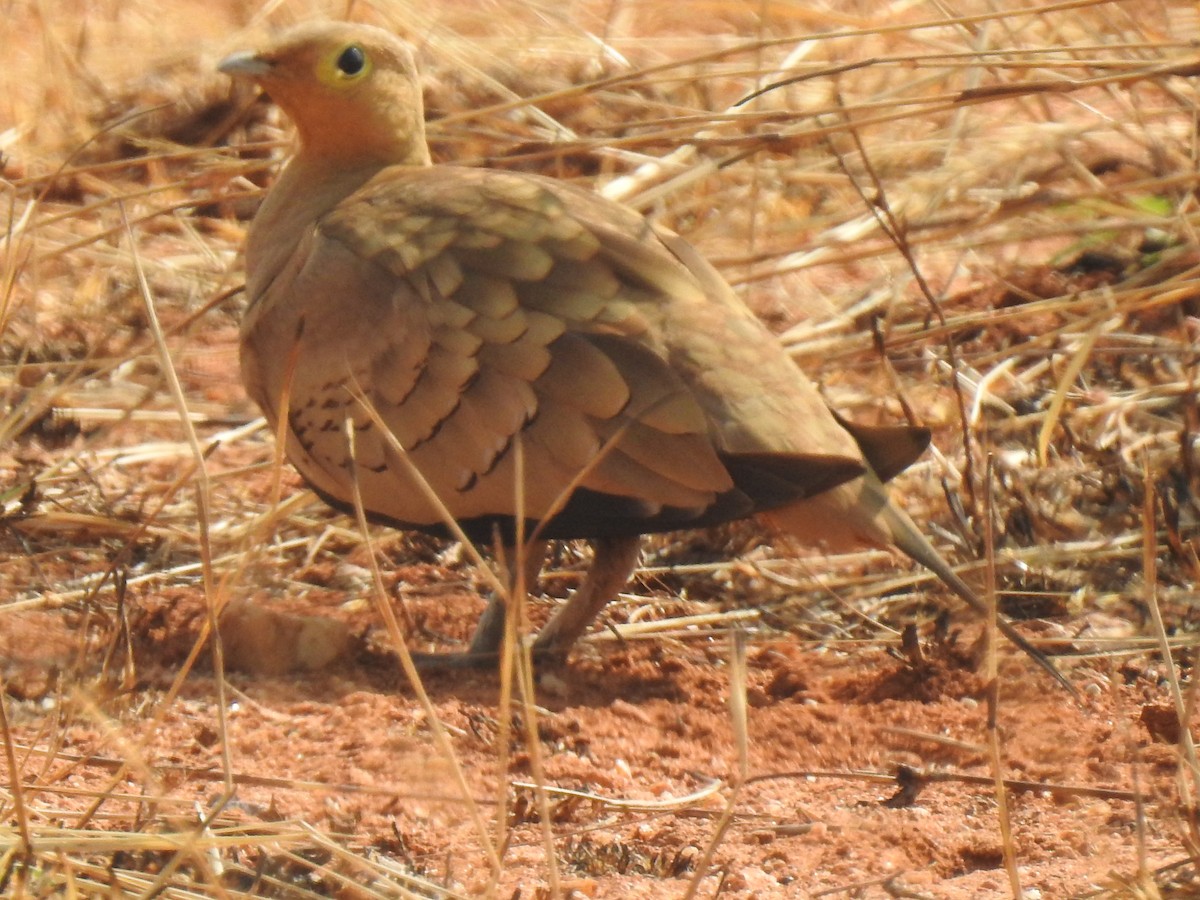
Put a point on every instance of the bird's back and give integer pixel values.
(471, 311)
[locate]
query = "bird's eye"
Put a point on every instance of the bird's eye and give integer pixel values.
(344, 67)
(352, 61)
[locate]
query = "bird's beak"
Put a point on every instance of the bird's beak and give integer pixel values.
(245, 64)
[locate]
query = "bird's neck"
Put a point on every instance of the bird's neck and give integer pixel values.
(396, 136)
(307, 188)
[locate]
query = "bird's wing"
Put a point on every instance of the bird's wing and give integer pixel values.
(478, 311)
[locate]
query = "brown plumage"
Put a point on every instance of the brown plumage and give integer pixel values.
(472, 311)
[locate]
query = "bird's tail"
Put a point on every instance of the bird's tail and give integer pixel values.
(860, 513)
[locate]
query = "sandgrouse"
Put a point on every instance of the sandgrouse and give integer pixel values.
(481, 315)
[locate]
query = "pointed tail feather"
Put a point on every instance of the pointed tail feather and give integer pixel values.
(907, 538)
(860, 513)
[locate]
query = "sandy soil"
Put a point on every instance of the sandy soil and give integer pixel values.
(861, 769)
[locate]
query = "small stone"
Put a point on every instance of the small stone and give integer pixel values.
(267, 642)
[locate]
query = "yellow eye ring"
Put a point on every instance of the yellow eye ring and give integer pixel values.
(346, 66)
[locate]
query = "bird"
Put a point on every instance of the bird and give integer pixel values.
(523, 355)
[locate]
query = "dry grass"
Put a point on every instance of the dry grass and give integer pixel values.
(986, 218)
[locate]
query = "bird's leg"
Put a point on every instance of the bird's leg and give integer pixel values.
(489, 633)
(613, 562)
(484, 649)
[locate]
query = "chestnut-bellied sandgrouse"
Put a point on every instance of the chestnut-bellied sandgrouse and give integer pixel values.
(473, 325)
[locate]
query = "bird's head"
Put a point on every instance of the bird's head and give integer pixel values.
(351, 90)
